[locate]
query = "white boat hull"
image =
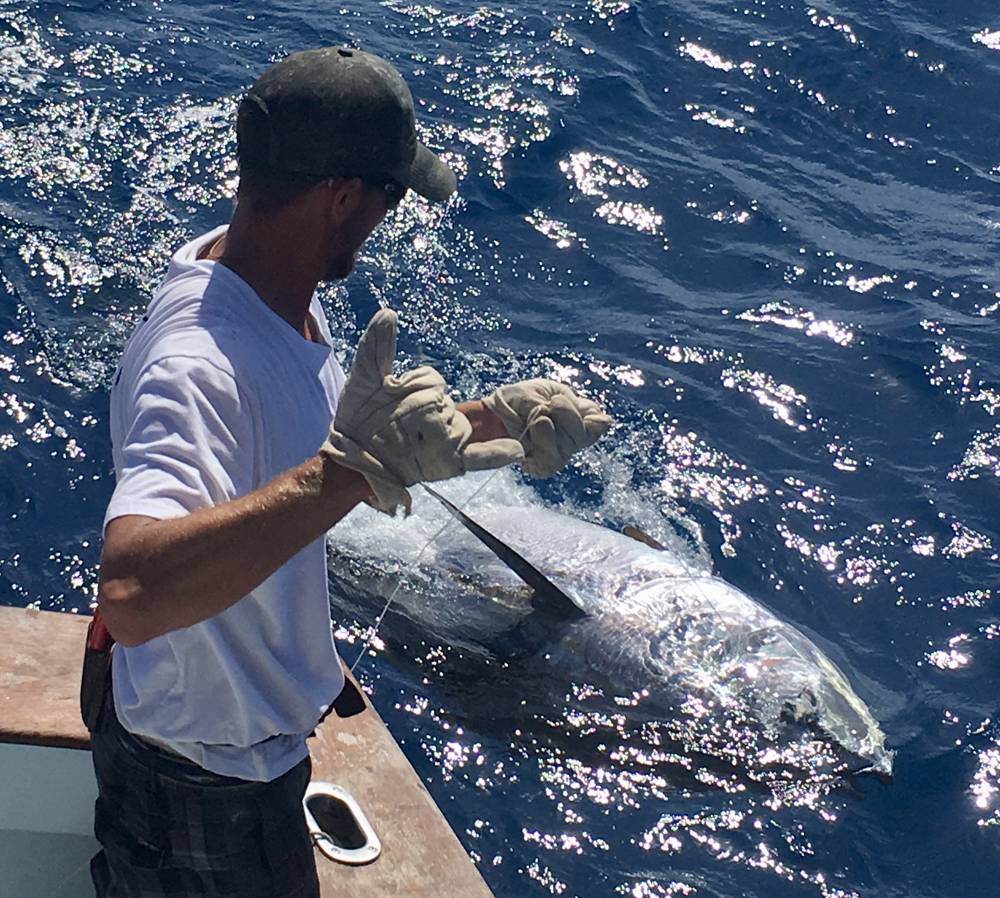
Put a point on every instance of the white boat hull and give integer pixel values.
(46, 822)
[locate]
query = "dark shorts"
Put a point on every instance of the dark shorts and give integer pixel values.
(169, 829)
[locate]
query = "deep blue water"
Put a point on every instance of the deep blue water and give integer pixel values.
(766, 234)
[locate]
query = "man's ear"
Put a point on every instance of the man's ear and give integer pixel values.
(344, 197)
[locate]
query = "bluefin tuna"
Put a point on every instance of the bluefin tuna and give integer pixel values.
(641, 618)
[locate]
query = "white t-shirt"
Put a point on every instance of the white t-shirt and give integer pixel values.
(215, 396)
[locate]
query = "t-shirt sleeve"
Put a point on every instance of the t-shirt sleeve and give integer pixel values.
(188, 441)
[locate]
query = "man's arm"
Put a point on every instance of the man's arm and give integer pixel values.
(161, 575)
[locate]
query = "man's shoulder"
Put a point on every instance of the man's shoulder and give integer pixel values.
(198, 316)
(190, 347)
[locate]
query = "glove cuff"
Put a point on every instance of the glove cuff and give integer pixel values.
(389, 493)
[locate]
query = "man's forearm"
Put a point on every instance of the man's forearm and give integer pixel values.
(485, 424)
(161, 575)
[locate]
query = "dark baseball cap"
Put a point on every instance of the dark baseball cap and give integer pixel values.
(337, 112)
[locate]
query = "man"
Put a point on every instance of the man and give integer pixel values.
(213, 576)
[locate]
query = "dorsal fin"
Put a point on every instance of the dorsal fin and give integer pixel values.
(643, 537)
(548, 597)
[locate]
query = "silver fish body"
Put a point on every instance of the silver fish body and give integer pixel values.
(654, 625)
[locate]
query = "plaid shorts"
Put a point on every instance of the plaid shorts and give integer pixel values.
(170, 829)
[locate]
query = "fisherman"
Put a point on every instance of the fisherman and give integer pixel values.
(229, 472)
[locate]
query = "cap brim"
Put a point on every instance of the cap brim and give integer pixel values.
(430, 176)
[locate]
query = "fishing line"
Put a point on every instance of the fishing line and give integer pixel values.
(449, 520)
(689, 574)
(373, 630)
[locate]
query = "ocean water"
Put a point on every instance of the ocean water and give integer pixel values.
(765, 234)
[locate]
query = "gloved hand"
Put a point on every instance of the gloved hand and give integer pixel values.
(551, 421)
(399, 431)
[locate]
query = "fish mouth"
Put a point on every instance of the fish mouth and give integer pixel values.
(879, 767)
(819, 712)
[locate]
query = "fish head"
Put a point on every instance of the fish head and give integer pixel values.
(844, 717)
(712, 638)
(814, 694)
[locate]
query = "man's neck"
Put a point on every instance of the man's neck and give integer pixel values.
(267, 260)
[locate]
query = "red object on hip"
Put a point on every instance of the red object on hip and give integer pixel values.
(98, 636)
(95, 678)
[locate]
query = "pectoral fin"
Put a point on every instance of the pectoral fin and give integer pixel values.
(549, 598)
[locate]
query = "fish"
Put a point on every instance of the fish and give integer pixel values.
(642, 620)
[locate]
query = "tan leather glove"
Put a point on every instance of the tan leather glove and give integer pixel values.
(399, 431)
(551, 421)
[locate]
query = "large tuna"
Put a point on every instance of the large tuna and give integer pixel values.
(640, 618)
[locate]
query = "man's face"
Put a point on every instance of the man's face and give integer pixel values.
(353, 230)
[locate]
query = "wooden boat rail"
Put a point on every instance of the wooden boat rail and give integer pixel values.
(421, 856)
